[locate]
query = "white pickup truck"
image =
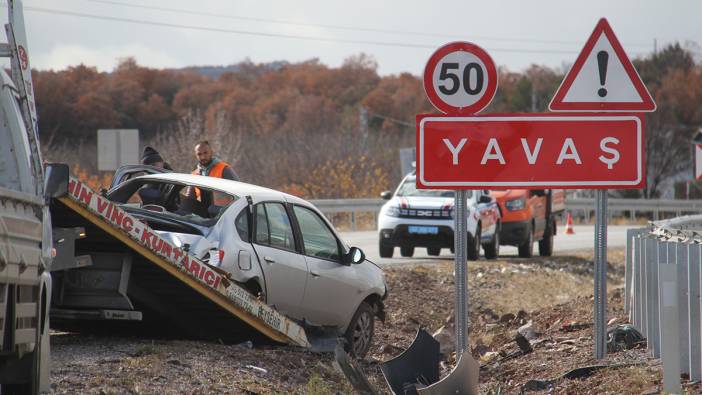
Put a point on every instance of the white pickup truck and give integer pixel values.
(25, 225)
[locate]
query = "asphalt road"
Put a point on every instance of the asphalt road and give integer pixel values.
(583, 238)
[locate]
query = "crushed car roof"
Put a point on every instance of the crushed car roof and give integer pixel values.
(224, 185)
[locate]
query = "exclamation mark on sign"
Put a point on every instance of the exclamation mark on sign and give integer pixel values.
(602, 58)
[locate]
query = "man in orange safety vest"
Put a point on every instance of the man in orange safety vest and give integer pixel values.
(210, 165)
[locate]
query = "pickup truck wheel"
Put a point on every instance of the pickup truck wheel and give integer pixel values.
(386, 249)
(526, 249)
(546, 244)
(407, 251)
(360, 331)
(433, 251)
(492, 249)
(474, 245)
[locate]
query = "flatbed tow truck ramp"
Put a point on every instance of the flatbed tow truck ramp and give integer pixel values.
(119, 269)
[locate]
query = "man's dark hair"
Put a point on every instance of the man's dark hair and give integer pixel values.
(203, 142)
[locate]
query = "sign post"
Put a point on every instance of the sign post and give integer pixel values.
(460, 79)
(602, 79)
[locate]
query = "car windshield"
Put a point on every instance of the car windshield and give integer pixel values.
(197, 205)
(409, 188)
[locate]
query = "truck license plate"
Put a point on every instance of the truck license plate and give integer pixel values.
(424, 230)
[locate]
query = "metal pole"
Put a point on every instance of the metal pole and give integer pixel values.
(460, 247)
(600, 309)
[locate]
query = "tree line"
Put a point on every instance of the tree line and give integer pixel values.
(320, 131)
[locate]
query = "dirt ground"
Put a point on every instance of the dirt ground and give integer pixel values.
(503, 295)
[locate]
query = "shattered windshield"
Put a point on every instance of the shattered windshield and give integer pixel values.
(408, 188)
(197, 205)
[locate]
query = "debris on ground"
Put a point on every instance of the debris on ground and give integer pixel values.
(623, 337)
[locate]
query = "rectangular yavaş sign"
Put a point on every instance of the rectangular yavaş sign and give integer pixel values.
(530, 150)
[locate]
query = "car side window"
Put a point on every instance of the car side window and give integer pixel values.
(242, 225)
(273, 226)
(318, 239)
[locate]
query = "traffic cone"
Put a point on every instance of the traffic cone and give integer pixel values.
(569, 225)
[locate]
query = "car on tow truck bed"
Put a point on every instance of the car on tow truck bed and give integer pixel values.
(277, 246)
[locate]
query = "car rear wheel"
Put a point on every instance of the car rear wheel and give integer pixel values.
(407, 251)
(492, 249)
(433, 251)
(546, 244)
(526, 249)
(474, 245)
(360, 331)
(386, 249)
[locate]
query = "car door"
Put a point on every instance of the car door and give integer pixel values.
(284, 269)
(332, 287)
(537, 200)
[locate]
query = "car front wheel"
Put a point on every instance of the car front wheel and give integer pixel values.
(386, 249)
(360, 331)
(474, 245)
(526, 249)
(492, 249)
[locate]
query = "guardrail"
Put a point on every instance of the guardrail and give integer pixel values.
(662, 294)
(578, 206)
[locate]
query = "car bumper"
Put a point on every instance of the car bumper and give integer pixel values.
(401, 237)
(514, 233)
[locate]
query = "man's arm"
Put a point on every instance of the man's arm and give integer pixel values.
(229, 174)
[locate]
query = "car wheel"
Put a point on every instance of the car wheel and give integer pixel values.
(492, 249)
(526, 249)
(406, 251)
(474, 245)
(433, 251)
(386, 249)
(546, 243)
(360, 331)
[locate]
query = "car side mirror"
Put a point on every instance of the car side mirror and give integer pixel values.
(56, 180)
(386, 195)
(355, 255)
(485, 199)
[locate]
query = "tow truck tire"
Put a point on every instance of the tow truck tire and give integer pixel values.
(433, 251)
(407, 251)
(359, 334)
(386, 249)
(526, 249)
(474, 245)
(492, 249)
(546, 244)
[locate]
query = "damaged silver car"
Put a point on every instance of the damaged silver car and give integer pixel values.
(280, 247)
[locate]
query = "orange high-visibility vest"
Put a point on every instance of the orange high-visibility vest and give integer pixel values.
(215, 171)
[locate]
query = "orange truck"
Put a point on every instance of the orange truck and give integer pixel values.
(530, 216)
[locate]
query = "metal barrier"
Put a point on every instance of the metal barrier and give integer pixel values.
(581, 206)
(662, 294)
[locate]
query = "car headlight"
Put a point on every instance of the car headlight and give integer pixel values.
(393, 211)
(515, 204)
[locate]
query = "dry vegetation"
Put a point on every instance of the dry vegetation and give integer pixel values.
(504, 294)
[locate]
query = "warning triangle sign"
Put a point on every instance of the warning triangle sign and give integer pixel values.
(602, 78)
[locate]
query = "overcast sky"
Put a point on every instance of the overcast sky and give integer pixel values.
(400, 35)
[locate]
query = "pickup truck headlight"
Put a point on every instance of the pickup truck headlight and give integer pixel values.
(515, 204)
(393, 211)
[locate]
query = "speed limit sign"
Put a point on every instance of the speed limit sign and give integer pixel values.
(460, 78)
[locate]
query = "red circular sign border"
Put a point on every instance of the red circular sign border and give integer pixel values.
(490, 90)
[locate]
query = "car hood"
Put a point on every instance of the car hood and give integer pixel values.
(422, 202)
